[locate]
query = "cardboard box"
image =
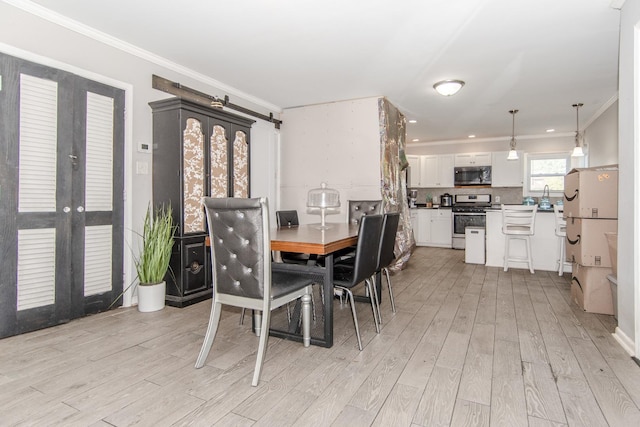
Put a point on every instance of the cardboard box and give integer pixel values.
(591, 192)
(586, 242)
(590, 289)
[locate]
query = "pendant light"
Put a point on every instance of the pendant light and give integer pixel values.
(577, 150)
(513, 154)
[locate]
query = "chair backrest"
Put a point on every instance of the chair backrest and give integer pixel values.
(561, 223)
(360, 208)
(239, 235)
(519, 219)
(388, 239)
(366, 258)
(287, 218)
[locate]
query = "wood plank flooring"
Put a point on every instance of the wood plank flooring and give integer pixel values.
(469, 346)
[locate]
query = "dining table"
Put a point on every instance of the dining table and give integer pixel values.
(324, 241)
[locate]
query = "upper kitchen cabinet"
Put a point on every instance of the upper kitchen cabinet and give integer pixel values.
(506, 173)
(198, 152)
(436, 171)
(473, 159)
(414, 171)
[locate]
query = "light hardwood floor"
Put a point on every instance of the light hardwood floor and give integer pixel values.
(469, 345)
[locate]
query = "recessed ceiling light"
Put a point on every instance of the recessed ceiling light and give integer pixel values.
(550, 130)
(448, 87)
(413, 121)
(415, 140)
(472, 136)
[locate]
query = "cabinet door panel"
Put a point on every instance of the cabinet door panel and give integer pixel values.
(445, 170)
(240, 163)
(219, 161)
(429, 173)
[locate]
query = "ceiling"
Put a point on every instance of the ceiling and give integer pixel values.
(537, 56)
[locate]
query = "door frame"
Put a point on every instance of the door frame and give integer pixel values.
(127, 261)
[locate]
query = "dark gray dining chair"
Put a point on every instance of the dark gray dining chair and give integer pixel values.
(289, 218)
(242, 275)
(357, 209)
(360, 208)
(385, 252)
(347, 277)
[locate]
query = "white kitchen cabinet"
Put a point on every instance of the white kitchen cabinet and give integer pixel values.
(414, 223)
(506, 173)
(436, 171)
(414, 171)
(432, 227)
(423, 236)
(473, 159)
(441, 228)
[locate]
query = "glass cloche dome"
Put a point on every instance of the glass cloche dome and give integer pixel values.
(323, 199)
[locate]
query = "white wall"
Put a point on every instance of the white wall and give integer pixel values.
(337, 143)
(628, 208)
(602, 138)
(529, 144)
(38, 39)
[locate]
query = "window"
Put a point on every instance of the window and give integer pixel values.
(546, 169)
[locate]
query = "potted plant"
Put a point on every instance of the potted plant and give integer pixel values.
(152, 262)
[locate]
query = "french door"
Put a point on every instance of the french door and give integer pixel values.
(61, 194)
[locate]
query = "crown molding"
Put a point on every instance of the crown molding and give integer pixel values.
(85, 30)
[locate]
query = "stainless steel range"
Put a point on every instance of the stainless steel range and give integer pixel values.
(468, 211)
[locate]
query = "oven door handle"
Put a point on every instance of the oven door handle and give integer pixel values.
(470, 213)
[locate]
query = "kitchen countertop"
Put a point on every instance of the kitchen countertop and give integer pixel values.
(435, 207)
(498, 209)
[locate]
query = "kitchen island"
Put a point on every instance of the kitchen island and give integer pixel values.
(544, 243)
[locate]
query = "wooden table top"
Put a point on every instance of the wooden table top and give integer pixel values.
(310, 239)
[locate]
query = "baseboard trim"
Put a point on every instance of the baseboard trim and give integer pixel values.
(626, 342)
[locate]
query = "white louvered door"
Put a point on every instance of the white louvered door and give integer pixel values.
(60, 186)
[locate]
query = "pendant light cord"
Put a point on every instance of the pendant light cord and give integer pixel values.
(512, 145)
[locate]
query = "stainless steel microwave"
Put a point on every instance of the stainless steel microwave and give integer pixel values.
(472, 175)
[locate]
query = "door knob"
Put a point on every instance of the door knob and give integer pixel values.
(80, 209)
(66, 209)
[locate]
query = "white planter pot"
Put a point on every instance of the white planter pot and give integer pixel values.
(151, 297)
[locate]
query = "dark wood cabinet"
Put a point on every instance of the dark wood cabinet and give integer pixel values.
(197, 152)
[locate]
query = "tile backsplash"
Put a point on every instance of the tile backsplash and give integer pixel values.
(506, 195)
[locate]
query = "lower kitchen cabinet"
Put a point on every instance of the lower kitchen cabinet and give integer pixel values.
(441, 228)
(432, 227)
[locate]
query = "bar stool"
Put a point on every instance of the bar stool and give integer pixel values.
(518, 223)
(561, 232)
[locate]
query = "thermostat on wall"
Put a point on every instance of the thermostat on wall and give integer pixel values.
(144, 147)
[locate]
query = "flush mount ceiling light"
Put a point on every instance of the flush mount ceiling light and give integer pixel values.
(577, 151)
(448, 87)
(513, 154)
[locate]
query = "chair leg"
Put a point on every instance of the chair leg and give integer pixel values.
(262, 347)
(242, 316)
(506, 253)
(560, 262)
(214, 320)
(355, 316)
(375, 305)
(393, 303)
(529, 257)
(306, 317)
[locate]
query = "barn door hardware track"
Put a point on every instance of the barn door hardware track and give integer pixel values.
(202, 98)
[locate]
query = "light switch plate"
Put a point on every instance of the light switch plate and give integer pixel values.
(144, 147)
